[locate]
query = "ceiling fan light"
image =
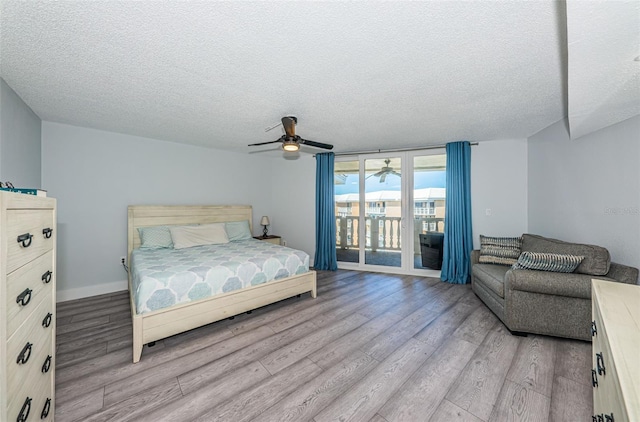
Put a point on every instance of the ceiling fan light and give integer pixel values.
(290, 146)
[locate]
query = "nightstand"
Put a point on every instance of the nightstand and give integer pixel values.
(269, 238)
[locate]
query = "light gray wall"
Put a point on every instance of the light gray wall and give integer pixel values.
(294, 202)
(499, 188)
(588, 189)
(19, 141)
(95, 175)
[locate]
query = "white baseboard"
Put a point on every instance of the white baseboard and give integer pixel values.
(87, 291)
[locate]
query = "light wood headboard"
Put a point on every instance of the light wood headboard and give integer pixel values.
(175, 215)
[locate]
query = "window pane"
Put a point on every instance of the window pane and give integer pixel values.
(347, 203)
(383, 211)
(429, 176)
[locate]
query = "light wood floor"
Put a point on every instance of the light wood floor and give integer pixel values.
(371, 347)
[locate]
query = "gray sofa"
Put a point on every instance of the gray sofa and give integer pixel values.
(541, 302)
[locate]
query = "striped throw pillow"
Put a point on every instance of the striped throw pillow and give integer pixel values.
(499, 250)
(554, 262)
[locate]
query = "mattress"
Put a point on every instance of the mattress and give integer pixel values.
(165, 277)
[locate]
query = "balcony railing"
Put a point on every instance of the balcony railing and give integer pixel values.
(424, 211)
(381, 233)
(376, 210)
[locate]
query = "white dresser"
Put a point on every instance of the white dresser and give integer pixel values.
(616, 351)
(27, 307)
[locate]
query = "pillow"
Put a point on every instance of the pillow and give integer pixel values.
(206, 234)
(596, 258)
(238, 230)
(155, 237)
(499, 250)
(554, 262)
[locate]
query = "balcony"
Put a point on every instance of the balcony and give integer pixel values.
(383, 242)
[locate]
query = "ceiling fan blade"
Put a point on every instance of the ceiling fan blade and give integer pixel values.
(289, 124)
(383, 177)
(265, 143)
(395, 173)
(316, 144)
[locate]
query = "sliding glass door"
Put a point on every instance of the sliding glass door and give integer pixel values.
(390, 211)
(383, 211)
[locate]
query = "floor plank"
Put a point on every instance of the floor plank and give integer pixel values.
(304, 403)
(200, 401)
(534, 364)
(250, 404)
(571, 401)
(449, 412)
(422, 393)
(420, 333)
(520, 403)
(477, 388)
(364, 399)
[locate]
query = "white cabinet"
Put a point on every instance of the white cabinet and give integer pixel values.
(27, 307)
(616, 351)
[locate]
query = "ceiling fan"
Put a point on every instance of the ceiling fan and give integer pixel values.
(290, 141)
(384, 171)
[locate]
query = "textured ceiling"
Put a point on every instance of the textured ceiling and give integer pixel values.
(604, 39)
(360, 75)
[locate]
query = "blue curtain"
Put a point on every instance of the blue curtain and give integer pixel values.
(325, 258)
(458, 236)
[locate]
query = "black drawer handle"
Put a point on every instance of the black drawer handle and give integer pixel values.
(46, 322)
(45, 410)
(46, 365)
(594, 330)
(25, 239)
(24, 412)
(25, 297)
(609, 418)
(25, 354)
(600, 364)
(46, 277)
(47, 232)
(594, 378)
(600, 418)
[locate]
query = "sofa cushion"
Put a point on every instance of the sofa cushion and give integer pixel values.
(596, 259)
(491, 276)
(557, 284)
(552, 262)
(499, 250)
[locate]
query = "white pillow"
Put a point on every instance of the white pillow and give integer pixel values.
(206, 234)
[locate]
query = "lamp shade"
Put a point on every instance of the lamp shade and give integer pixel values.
(264, 221)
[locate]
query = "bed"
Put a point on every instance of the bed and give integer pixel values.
(152, 321)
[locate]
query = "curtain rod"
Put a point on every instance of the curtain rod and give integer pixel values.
(383, 151)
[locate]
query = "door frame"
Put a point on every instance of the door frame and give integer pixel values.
(407, 218)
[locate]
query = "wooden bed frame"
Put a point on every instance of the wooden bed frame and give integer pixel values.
(156, 325)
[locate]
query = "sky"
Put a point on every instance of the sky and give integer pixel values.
(422, 179)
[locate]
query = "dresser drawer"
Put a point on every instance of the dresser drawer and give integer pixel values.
(37, 400)
(26, 288)
(28, 342)
(30, 226)
(41, 372)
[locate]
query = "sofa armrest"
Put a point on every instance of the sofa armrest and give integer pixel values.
(550, 283)
(475, 256)
(623, 273)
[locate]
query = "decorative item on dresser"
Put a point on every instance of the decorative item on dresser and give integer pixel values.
(27, 307)
(270, 238)
(615, 330)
